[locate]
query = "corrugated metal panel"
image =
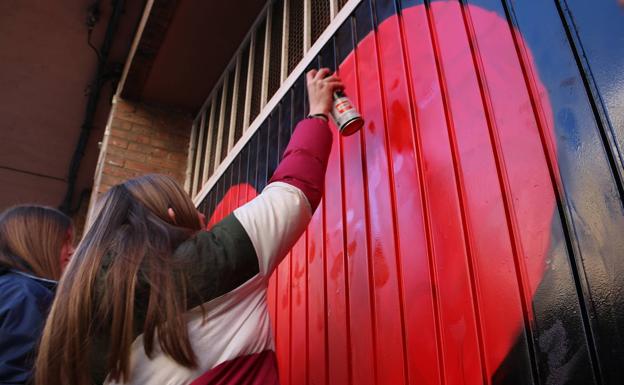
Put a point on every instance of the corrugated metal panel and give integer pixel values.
(471, 232)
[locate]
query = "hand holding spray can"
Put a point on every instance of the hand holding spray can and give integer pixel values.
(347, 118)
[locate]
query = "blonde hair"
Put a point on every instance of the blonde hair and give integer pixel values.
(127, 249)
(31, 239)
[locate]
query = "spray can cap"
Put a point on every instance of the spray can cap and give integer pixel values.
(339, 94)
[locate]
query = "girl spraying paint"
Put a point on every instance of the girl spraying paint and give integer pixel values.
(152, 298)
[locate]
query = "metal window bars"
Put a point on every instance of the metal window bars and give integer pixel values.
(274, 47)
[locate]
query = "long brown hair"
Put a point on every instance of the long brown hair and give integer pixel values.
(31, 239)
(125, 256)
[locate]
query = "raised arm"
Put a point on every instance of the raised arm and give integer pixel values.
(256, 237)
(278, 216)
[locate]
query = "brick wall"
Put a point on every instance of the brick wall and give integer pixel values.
(141, 139)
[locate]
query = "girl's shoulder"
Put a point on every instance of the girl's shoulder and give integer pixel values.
(24, 304)
(216, 261)
(22, 291)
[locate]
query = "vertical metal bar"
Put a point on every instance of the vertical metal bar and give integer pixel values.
(265, 60)
(341, 16)
(249, 85)
(199, 148)
(285, 30)
(220, 133)
(307, 25)
(190, 159)
(333, 8)
(248, 37)
(234, 102)
(209, 145)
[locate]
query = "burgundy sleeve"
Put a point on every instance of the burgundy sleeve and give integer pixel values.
(305, 159)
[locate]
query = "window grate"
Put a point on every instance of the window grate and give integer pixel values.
(278, 42)
(295, 33)
(321, 16)
(256, 86)
(275, 53)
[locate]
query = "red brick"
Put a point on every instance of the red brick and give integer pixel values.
(176, 175)
(124, 106)
(142, 139)
(104, 188)
(140, 166)
(125, 154)
(165, 135)
(129, 136)
(117, 142)
(141, 129)
(134, 117)
(111, 180)
(114, 160)
(178, 157)
(119, 172)
(165, 163)
(159, 152)
(121, 124)
(159, 143)
(152, 112)
(142, 148)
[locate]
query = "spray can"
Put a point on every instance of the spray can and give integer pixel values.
(347, 118)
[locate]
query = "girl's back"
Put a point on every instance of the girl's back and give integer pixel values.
(152, 297)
